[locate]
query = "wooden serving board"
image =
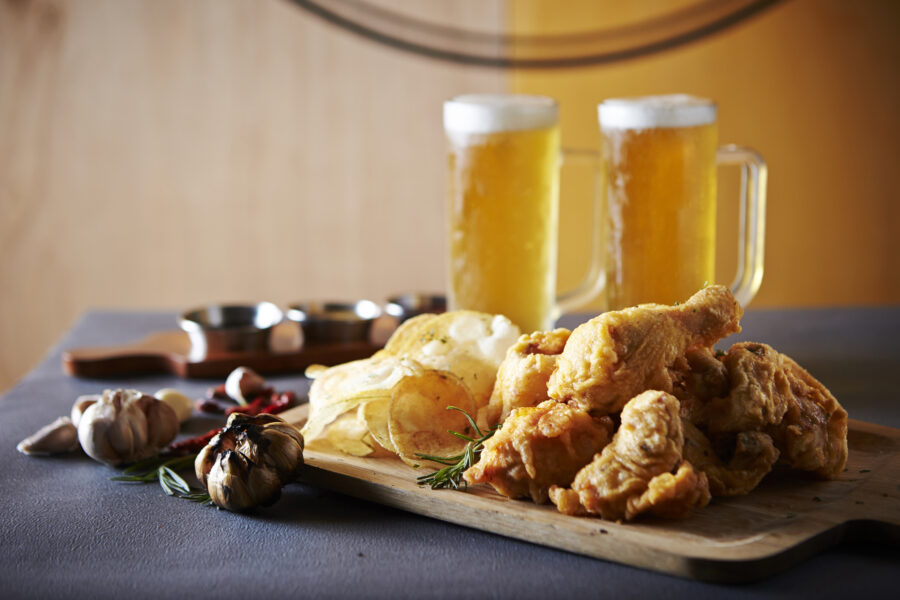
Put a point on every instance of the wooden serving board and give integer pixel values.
(170, 352)
(787, 519)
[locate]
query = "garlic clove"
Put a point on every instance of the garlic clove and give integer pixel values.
(284, 454)
(59, 437)
(181, 404)
(92, 430)
(228, 486)
(81, 404)
(265, 485)
(243, 383)
(205, 461)
(162, 421)
(127, 433)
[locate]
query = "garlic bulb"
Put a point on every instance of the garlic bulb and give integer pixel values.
(125, 426)
(59, 437)
(249, 461)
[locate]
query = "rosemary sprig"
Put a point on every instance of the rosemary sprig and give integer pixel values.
(165, 471)
(451, 474)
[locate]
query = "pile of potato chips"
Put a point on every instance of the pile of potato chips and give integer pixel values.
(396, 401)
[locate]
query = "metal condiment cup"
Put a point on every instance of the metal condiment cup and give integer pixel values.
(334, 322)
(223, 328)
(405, 306)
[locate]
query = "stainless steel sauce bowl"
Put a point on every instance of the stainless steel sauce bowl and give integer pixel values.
(220, 328)
(405, 306)
(334, 322)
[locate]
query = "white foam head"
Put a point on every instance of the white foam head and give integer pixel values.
(674, 110)
(490, 113)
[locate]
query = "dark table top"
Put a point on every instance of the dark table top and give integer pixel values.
(68, 531)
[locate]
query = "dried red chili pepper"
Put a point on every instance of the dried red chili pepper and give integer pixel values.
(280, 402)
(208, 405)
(191, 445)
(217, 393)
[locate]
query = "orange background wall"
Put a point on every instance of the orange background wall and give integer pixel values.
(814, 85)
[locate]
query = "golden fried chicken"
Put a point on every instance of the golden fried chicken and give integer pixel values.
(538, 447)
(698, 376)
(752, 455)
(620, 354)
(642, 470)
(773, 394)
(523, 374)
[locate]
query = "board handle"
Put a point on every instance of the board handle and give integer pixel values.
(163, 352)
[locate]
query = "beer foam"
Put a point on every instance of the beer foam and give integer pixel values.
(674, 110)
(491, 113)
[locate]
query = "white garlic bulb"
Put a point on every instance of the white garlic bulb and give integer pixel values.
(125, 426)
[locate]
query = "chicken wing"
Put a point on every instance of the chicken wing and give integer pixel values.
(752, 456)
(523, 374)
(641, 470)
(538, 447)
(619, 354)
(773, 394)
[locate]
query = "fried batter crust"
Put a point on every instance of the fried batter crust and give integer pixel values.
(752, 458)
(523, 374)
(620, 354)
(538, 447)
(773, 394)
(641, 470)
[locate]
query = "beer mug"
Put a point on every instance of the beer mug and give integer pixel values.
(503, 209)
(660, 156)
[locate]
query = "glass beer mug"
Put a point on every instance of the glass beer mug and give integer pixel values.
(503, 209)
(660, 155)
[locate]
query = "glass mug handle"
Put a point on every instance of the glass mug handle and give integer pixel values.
(752, 224)
(594, 280)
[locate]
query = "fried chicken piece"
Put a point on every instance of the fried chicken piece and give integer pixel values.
(523, 374)
(641, 470)
(537, 447)
(752, 457)
(698, 377)
(772, 393)
(619, 354)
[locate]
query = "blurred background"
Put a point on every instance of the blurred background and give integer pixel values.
(161, 154)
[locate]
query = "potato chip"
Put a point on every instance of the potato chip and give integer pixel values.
(344, 387)
(469, 344)
(348, 434)
(419, 421)
(406, 337)
(314, 371)
(395, 401)
(375, 415)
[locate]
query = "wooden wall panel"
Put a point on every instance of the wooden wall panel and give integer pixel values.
(163, 154)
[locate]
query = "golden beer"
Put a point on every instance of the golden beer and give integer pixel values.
(503, 206)
(659, 159)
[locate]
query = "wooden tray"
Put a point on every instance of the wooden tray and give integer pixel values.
(787, 519)
(170, 352)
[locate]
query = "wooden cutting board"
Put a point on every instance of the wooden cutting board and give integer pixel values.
(170, 352)
(787, 519)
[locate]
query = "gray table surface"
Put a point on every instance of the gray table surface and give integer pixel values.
(68, 531)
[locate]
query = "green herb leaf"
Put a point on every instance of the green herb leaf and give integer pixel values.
(451, 475)
(165, 471)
